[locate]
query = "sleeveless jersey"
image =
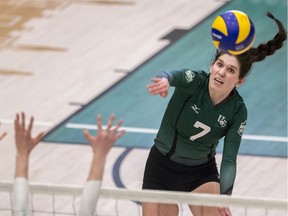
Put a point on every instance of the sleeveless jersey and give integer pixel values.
(192, 126)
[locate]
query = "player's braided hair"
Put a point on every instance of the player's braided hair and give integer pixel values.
(255, 54)
(269, 48)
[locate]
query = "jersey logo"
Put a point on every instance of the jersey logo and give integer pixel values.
(189, 76)
(222, 121)
(195, 108)
(242, 128)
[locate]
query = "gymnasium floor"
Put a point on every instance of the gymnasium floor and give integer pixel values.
(66, 61)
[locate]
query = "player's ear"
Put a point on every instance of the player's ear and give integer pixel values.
(240, 82)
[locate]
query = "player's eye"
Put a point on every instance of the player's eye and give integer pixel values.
(219, 64)
(231, 70)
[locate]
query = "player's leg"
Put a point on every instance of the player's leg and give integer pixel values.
(211, 188)
(157, 209)
(156, 177)
(150, 174)
(150, 209)
(168, 210)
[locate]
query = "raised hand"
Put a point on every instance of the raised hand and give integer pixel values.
(101, 145)
(24, 141)
(24, 144)
(106, 137)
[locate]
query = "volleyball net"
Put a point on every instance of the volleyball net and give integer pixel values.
(65, 200)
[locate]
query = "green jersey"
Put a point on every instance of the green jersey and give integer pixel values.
(192, 126)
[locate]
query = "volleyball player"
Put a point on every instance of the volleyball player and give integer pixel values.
(204, 108)
(25, 143)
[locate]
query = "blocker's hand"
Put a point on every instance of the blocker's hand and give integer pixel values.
(106, 137)
(23, 138)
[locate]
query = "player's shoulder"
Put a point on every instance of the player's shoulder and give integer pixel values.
(193, 72)
(202, 74)
(199, 75)
(239, 101)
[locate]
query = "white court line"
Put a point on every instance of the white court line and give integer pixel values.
(146, 130)
(154, 131)
(127, 129)
(265, 138)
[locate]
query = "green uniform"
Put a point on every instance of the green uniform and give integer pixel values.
(192, 126)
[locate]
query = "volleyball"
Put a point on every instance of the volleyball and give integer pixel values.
(233, 32)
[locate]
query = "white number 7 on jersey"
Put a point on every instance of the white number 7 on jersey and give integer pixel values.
(206, 129)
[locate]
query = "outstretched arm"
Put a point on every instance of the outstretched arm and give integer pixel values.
(184, 79)
(24, 145)
(101, 145)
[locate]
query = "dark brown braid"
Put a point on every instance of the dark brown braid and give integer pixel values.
(261, 52)
(269, 48)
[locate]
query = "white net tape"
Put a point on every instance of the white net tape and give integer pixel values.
(64, 200)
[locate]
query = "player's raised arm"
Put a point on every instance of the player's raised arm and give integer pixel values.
(101, 145)
(25, 143)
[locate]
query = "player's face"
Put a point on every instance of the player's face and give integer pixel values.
(225, 74)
